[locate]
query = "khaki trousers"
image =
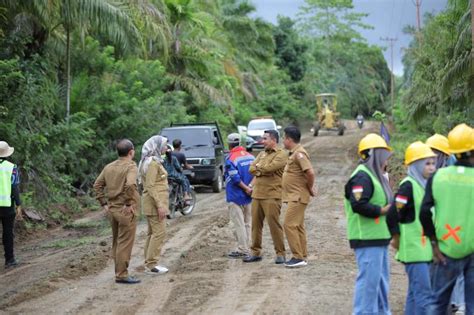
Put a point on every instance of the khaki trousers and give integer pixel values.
(269, 209)
(294, 229)
(124, 227)
(154, 240)
(240, 216)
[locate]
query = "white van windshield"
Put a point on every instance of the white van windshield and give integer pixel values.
(261, 125)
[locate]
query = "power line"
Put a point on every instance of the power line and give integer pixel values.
(417, 3)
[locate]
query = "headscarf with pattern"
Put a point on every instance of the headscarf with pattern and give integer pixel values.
(151, 150)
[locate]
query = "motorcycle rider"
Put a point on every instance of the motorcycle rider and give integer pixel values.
(175, 172)
(360, 120)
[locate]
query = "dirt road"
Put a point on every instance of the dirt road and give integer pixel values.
(79, 280)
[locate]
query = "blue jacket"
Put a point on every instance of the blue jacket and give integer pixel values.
(237, 166)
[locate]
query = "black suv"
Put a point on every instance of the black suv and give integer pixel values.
(204, 150)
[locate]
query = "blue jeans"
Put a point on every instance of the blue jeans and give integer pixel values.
(443, 279)
(372, 283)
(457, 298)
(419, 295)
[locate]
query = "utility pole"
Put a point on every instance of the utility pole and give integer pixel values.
(417, 3)
(392, 77)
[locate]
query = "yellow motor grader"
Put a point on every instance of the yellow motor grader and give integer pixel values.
(327, 117)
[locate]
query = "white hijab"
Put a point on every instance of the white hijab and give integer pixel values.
(151, 150)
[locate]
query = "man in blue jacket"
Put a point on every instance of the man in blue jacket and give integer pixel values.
(238, 192)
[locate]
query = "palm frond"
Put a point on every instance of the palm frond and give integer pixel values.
(198, 89)
(455, 70)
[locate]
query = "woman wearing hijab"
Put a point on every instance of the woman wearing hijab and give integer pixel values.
(154, 178)
(440, 146)
(414, 248)
(367, 199)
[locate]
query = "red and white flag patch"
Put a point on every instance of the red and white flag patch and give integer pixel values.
(357, 192)
(400, 201)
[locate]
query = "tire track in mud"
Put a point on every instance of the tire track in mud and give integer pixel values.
(98, 293)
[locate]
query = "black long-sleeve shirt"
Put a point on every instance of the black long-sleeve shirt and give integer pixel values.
(403, 209)
(426, 216)
(15, 194)
(362, 206)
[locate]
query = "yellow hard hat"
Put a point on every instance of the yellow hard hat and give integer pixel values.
(461, 139)
(417, 151)
(372, 141)
(440, 143)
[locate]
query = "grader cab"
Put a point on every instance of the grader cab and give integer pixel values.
(327, 117)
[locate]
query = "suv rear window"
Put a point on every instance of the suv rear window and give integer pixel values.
(190, 137)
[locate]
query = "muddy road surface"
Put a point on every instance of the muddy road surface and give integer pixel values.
(78, 277)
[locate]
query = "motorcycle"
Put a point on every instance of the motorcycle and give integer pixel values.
(360, 122)
(177, 203)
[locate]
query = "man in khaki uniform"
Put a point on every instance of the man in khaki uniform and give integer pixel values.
(268, 170)
(116, 190)
(298, 180)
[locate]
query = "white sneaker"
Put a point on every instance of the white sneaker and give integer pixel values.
(157, 270)
(295, 263)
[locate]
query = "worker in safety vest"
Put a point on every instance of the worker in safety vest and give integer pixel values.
(414, 249)
(451, 227)
(367, 200)
(9, 197)
(440, 146)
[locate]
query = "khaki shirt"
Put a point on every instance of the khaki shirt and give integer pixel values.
(295, 187)
(268, 170)
(116, 185)
(155, 189)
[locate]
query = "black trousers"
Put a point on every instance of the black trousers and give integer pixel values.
(7, 236)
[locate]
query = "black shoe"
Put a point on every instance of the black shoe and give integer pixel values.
(11, 263)
(295, 263)
(236, 254)
(280, 260)
(249, 259)
(128, 280)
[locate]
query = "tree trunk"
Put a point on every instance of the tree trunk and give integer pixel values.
(68, 74)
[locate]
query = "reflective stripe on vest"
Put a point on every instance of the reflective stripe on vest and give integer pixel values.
(414, 245)
(360, 227)
(6, 171)
(453, 194)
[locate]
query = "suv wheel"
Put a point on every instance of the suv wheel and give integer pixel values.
(218, 183)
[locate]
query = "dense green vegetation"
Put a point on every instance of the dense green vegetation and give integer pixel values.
(437, 89)
(78, 75)
(75, 76)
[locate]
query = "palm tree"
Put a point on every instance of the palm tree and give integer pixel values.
(57, 18)
(461, 64)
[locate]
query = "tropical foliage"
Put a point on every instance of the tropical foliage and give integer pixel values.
(437, 90)
(75, 76)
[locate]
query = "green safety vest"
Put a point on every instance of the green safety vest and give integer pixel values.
(414, 245)
(363, 228)
(453, 194)
(6, 171)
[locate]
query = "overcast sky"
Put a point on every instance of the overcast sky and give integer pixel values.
(388, 17)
